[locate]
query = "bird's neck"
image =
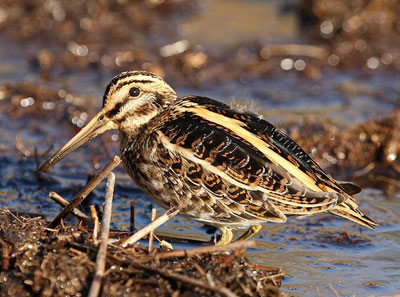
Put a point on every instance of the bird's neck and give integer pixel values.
(133, 132)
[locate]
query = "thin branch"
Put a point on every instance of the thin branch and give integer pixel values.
(105, 229)
(333, 290)
(95, 222)
(208, 249)
(151, 236)
(364, 171)
(86, 191)
(153, 225)
(14, 216)
(60, 200)
(5, 256)
(132, 218)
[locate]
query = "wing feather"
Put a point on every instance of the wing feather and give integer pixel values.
(231, 170)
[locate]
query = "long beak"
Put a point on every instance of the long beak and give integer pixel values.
(98, 125)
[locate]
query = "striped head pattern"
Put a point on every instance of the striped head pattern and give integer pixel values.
(133, 98)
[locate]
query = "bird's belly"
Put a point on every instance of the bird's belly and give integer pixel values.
(170, 190)
(166, 191)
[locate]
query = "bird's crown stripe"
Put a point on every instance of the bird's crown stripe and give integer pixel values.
(130, 81)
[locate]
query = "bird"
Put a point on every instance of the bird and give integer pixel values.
(219, 166)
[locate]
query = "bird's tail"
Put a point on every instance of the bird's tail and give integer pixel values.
(349, 210)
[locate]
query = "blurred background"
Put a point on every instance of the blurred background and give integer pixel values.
(324, 71)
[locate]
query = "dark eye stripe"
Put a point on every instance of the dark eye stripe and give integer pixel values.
(115, 110)
(159, 99)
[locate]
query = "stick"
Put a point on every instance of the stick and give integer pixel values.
(153, 225)
(151, 238)
(105, 228)
(132, 220)
(208, 249)
(95, 222)
(333, 290)
(5, 256)
(60, 200)
(177, 277)
(86, 191)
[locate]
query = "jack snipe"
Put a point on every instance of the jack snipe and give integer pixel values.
(218, 166)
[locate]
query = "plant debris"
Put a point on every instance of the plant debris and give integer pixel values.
(60, 262)
(367, 153)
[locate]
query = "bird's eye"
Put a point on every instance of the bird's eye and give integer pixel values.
(134, 92)
(101, 117)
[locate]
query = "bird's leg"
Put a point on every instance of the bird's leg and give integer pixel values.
(226, 236)
(253, 230)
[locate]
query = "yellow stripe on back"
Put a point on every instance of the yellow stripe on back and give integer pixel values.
(237, 127)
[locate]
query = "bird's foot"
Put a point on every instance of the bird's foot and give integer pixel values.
(226, 236)
(253, 230)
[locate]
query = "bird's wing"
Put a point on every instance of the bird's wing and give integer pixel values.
(271, 143)
(244, 162)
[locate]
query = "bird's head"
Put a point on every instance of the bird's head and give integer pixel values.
(130, 101)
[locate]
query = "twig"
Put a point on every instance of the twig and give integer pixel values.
(151, 235)
(19, 146)
(5, 256)
(132, 219)
(272, 278)
(60, 200)
(36, 157)
(333, 290)
(176, 276)
(367, 169)
(14, 216)
(105, 228)
(153, 225)
(207, 249)
(86, 191)
(163, 237)
(95, 222)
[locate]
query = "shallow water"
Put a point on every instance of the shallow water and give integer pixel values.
(315, 253)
